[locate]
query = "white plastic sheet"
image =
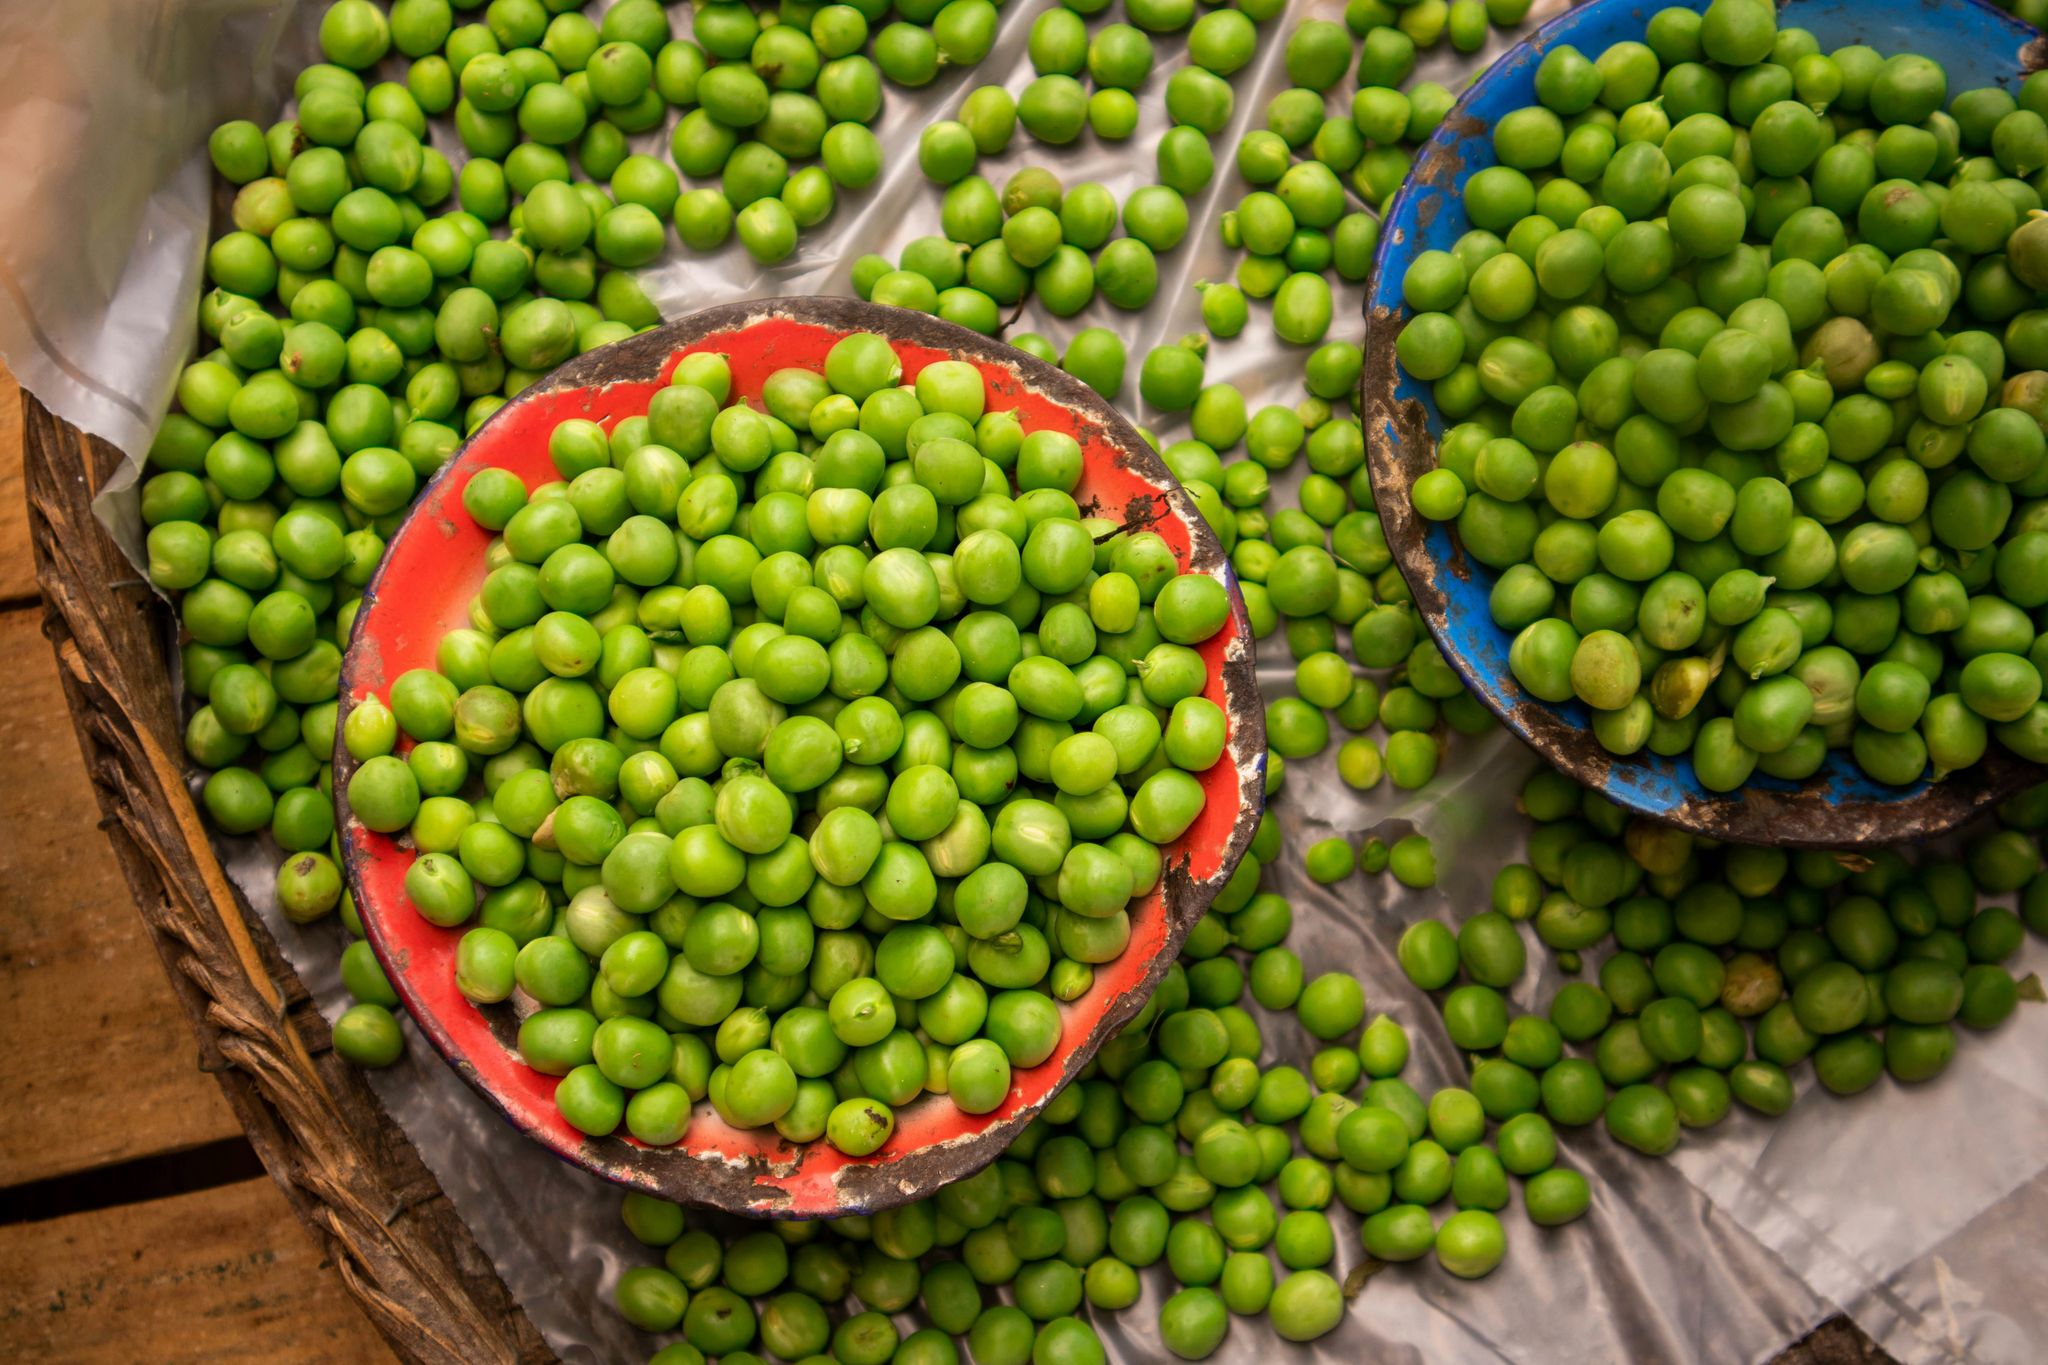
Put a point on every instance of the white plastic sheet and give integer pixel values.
(1918, 1212)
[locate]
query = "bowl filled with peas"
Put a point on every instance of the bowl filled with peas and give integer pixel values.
(1706, 363)
(780, 747)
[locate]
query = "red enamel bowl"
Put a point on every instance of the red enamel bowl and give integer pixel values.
(435, 565)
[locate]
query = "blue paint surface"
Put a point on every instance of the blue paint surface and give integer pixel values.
(1976, 45)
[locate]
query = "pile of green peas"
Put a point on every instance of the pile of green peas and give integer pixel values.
(1423, 691)
(1321, 568)
(1421, 695)
(1318, 573)
(1748, 400)
(350, 340)
(412, 378)
(1116, 61)
(1037, 237)
(1728, 966)
(766, 91)
(776, 107)
(1223, 1262)
(815, 765)
(1033, 239)
(1176, 1147)
(1297, 221)
(1377, 44)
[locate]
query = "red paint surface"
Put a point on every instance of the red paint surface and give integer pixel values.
(433, 568)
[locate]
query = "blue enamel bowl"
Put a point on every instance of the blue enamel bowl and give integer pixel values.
(1839, 806)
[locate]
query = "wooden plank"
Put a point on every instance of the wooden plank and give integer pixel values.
(355, 1178)
(17, 571)
(120, 1079)
(222, 1276)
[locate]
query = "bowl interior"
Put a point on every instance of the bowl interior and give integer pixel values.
(434, 567)
(1977, 45)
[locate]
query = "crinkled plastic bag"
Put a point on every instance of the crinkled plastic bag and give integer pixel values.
(1917, 1211)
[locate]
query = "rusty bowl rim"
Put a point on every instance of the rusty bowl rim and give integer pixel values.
(1399, 438)
(729, 1184)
